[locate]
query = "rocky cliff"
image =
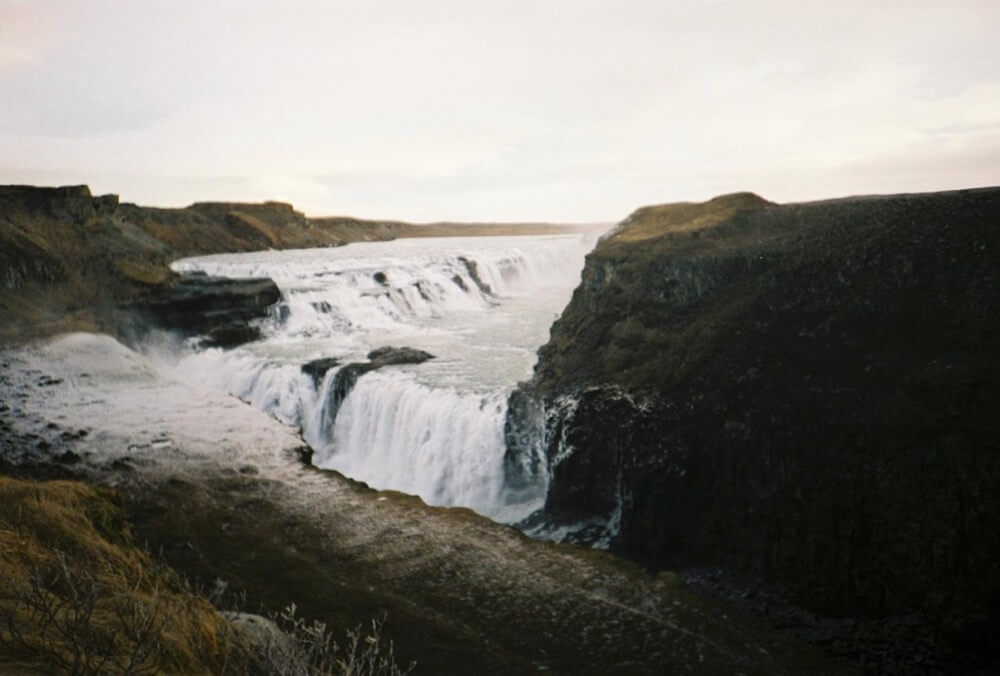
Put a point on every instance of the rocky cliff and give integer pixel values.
(809, 393)
(70, 260)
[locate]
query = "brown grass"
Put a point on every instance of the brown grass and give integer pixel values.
(653, 221)
(75, 590)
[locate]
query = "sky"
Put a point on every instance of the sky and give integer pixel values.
(498, 110)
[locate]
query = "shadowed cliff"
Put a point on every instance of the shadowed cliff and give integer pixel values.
(807, 393)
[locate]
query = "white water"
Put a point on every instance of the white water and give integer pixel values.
(481, 305)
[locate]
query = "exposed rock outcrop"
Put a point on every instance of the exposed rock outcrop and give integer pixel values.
(317, 368)
(347, 377)
(384, 356)
(231, 335)
(214, 306)
(806, 392)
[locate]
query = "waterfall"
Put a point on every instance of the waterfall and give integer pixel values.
(439, 443)
(481, 305)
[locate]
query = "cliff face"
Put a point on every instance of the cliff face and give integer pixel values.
(807, 392)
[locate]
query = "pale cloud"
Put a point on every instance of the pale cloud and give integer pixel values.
(570, 110)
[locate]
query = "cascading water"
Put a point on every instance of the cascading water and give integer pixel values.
(481, 306)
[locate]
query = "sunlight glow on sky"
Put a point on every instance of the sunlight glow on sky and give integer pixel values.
(498, 109)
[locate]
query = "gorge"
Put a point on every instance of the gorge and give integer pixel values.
(802, 397)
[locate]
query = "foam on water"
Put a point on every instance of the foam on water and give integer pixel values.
(481, 305)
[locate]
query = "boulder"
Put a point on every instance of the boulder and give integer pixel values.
(384, 356)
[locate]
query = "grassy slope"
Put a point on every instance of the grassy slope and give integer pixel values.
(43, 525)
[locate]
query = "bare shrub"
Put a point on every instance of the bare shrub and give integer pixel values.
(83, 623)
(304, 648)
(366, 655)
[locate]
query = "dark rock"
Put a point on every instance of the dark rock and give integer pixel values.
(317, 368)
(380, 278)
(424, 293)
(231, 335)
(198, 305)
(71, 203)
(473, 270)
(803, 392)
(305, 454)
(344, 381)
(68, 458)
(347, 377)
(122, 465)
(384, 356)
(106, 205)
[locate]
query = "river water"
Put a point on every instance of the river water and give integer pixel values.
(481, 305)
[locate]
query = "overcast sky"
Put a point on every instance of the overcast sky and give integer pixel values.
(498, 109)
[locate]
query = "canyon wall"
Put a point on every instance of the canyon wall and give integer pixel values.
(808, 393)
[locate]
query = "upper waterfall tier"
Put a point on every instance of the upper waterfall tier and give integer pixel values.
(382, 285)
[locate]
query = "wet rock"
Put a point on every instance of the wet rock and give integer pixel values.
(197, 305)
(230, 335)
(473, 269)
(384, 356)
(317, 368)
(348, 375)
